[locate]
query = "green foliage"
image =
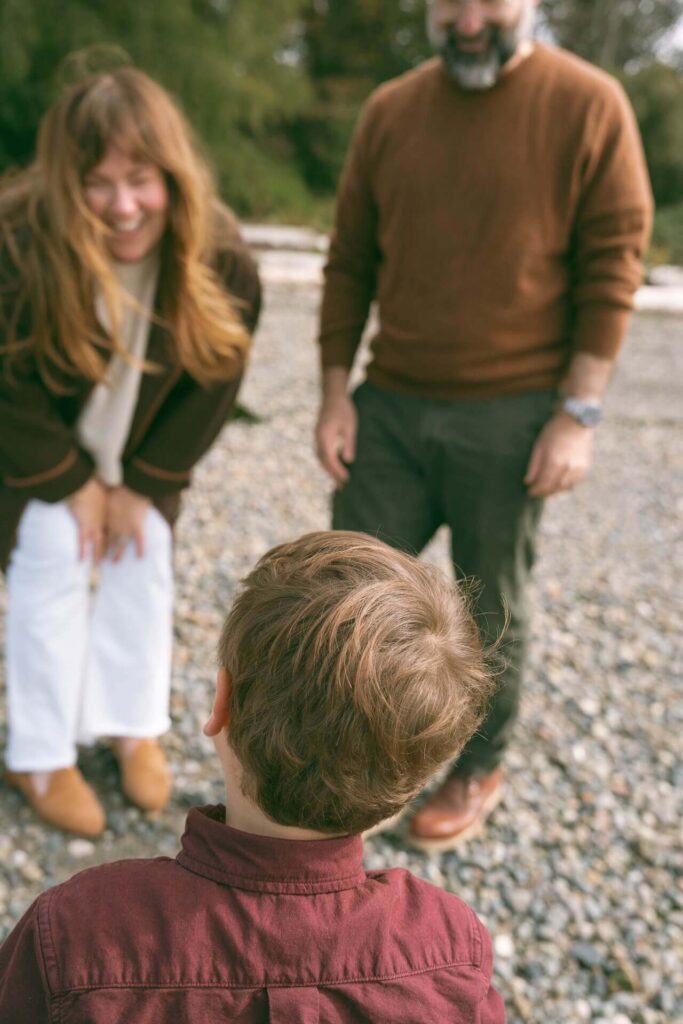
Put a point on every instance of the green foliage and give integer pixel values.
(227, 60)
(667, 237)
(611, 33)
(656, 93)
(367, 39)
(273, 87)
(349, 47)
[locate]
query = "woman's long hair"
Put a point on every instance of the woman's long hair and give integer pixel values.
(58, 246)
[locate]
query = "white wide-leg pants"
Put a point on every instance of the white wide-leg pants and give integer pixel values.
(84, 664)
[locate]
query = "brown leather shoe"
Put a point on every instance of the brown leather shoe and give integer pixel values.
(455, 811)
(145, 775)
(68, 802)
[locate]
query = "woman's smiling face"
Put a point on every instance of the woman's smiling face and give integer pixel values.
(131, 198)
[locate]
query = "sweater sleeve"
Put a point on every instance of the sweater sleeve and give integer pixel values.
(612, 228)
(23, 993)
(351, 270)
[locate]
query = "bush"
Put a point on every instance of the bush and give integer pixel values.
(667, 237)
(227, 63)
(656, 92)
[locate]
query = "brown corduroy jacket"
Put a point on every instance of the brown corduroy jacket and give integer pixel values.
(175, 420)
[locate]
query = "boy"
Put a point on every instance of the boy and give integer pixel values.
(349, 672)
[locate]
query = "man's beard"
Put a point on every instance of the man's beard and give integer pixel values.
(480, 71)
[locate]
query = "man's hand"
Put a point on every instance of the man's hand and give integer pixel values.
(561, 457)
(125, 521)
(88, 507)
(337, 428)
(335, 436)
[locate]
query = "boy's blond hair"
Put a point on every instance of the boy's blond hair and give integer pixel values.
(357, 672)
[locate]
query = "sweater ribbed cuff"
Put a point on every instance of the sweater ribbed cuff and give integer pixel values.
(338, 352)
(600, 330)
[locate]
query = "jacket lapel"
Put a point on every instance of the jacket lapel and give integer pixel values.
(154, 385)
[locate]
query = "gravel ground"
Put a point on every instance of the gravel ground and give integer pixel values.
(578, 875)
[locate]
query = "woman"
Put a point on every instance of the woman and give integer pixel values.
(127, 299)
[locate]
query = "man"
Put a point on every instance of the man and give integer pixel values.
(495, 202)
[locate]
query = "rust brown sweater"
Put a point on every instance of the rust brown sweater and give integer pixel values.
(499, 231)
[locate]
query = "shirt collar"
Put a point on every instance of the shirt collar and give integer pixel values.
(261, 864)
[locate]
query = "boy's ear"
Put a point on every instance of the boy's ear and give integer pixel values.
(220, 715)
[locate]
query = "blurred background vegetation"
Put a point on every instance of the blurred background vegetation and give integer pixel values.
(273, 87)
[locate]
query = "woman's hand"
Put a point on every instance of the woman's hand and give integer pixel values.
(125, 521)
(88, 507)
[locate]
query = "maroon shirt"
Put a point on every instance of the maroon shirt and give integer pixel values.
(245, 928)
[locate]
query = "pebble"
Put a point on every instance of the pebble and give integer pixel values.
(79, 848)
(504, 946)
(32, 872)
(576, 872)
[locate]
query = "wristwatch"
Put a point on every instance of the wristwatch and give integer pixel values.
(587, 413)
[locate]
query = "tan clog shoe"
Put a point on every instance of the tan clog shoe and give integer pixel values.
(145, 775)
(68, 802)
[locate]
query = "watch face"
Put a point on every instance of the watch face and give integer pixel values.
(592, 416)
(585, 413)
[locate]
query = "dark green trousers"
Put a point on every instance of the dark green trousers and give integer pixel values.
(421, 463)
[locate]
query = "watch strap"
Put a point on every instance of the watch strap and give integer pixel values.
(585, 412)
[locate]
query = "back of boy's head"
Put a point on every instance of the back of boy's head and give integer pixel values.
(357, 672)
